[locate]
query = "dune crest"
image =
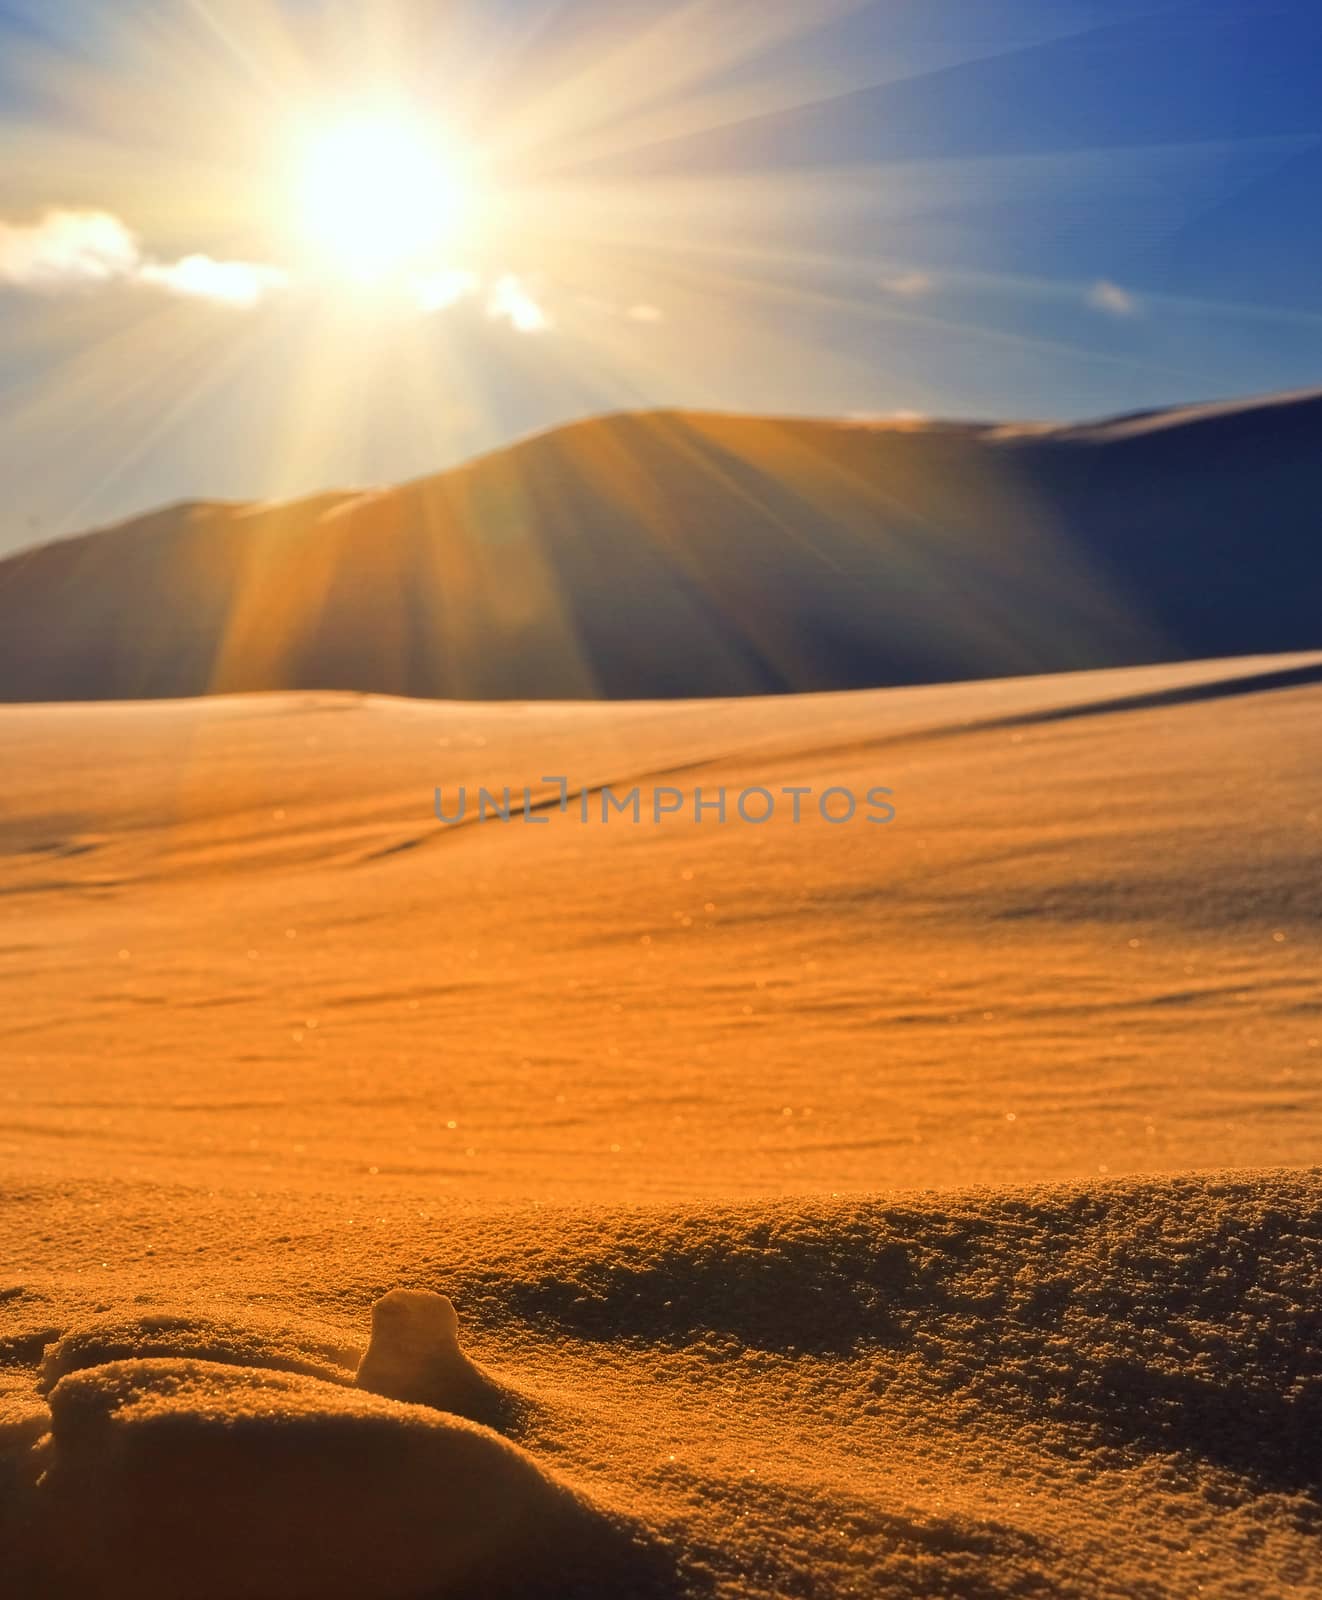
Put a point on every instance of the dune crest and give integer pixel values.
(195, 1336)
(674, 554)
(166, 1477)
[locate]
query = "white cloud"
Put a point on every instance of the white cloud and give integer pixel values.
(640, 312)
(66, 249)
(909, 285)
(1111, 298)
(437, 291)
(506, 297)
(231, 283)
(509, 301)
(69, 250)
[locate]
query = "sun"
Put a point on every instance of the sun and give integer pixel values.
(379, 193)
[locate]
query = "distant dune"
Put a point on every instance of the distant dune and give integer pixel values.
(676, 554)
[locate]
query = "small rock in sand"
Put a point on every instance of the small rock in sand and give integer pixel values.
(414, 1355)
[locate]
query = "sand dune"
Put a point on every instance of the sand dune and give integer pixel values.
(234, 930)
(1095, 1390)
(830, 1209)
(677, 554)
(162, 1478)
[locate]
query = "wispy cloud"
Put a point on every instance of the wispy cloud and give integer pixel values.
(506, 297)
(641, 311)
(234, 283)
(909, 285)
(438, 291)
(509, 301)
(1111, 298)
(68, 250)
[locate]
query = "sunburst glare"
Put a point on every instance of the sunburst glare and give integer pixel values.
(379, 191)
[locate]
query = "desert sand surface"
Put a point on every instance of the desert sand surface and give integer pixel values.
(915, 1209)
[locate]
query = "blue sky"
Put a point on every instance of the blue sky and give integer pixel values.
(1004, 208)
